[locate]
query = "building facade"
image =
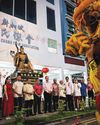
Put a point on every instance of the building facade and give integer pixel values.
(37, 26)
(68, 28)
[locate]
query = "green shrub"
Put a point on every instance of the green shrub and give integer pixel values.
(92, 103)
(61, 106)
(82, 105)
(19, 116)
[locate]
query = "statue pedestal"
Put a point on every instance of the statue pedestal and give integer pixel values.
(27, 74)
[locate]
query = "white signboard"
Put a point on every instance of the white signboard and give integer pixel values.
(14, 30)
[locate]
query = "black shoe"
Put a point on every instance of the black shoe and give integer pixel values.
(50, 111)
(30, 114)
(34, 114)
(55, 110)
(40, 113)
(27, 115)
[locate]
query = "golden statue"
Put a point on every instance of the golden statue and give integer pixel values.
(21, 60)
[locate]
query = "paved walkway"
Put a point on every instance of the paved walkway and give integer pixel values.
(86, 121)
(3, 121)
(83, 120)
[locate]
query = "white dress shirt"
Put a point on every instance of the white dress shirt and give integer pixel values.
(47, 87)
(77, 89)
(18, 87)
(69, 88)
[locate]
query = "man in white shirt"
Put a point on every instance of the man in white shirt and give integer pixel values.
(47, 95)
(18, 93)
(69, 94)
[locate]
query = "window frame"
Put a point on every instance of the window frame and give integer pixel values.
(6, 9)
(25, 11)
(53, 29)
(35, 14)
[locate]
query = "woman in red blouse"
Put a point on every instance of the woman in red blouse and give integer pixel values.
(8, 99)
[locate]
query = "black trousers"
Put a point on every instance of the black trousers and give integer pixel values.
(83, 98)
(69, 100)
(18, 103)
(55, 103)
(37, 104)
(91, 97)
(62, 98)
(28, 107)
(47, 102)
(1, 107)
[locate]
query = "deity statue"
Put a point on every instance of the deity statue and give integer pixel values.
(21, 60)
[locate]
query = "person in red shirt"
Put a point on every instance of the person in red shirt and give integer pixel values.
(38, 88)
(8, 99)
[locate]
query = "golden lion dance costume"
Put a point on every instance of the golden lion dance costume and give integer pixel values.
(87, 21)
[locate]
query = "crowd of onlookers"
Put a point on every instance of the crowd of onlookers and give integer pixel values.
(18, 95)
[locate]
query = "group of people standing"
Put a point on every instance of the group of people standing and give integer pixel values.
(18, 95)
(70, 92)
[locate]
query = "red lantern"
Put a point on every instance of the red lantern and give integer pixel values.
(45, 70)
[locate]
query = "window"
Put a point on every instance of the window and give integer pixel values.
(20, 9)
(74, 1)
(51, 1)
(51, 19)
(68, 37)
(7, 6)
(71, 27)
(52, 46)
(70, 9)
(31, 11)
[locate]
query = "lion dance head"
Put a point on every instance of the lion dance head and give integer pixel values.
(86, 18)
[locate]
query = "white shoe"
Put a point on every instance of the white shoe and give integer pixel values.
(75, 109)
(7, 118)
